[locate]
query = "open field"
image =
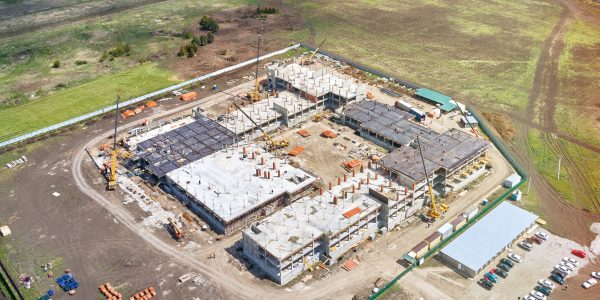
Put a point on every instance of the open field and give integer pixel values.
(81, 99)
(426, 42)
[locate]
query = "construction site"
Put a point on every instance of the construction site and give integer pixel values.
(307, 164)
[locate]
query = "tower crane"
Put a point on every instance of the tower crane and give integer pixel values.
(255, 95)
(272, 144)
(112, 176)
(435, 210)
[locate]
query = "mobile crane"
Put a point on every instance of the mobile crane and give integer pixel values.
(309, 61)
(112, 176)
(176, 231)
(435, 210)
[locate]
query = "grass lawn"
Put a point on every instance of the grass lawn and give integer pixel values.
(81, 99)
(478, 51)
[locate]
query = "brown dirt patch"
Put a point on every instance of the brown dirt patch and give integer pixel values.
(502, 124)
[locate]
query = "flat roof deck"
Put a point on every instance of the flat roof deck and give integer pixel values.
(480, 243)
(449, 150)
(176, 148)
(226, 182)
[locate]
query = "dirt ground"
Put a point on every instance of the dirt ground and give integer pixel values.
(437, 281)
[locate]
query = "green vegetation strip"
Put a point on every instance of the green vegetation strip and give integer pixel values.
(6, 284)
(81, 99)
(481, 214)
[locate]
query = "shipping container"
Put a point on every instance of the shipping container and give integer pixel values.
(434, 239)
(419, 115)
(420, 249)
(512, 180)
(188, 96)
(403, 105)
(516, 195)
(472, 213)
(446, 230)
(458, 222)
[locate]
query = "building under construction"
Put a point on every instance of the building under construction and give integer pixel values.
(234, 186)
(453, 160)
(323, 228)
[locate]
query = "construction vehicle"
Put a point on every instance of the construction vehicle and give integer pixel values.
(317, 118)
(254, 96)
(309, 60)
(308, 265)
(435, 210)
(271, 144)
(176, 231)
(112, 176)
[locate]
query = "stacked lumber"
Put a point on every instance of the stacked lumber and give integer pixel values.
(295, 151)
(109, 292)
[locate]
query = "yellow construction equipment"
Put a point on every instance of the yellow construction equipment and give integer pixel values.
(255, 95)
(308, 265)
(435, 210)
(176, 231)
(309, 60)
(317, 118)
(112, 176)
(271, 144)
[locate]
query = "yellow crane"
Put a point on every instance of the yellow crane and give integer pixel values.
(309, 61)
(435, 210)
(255, 95)
(272, 144)
(112, 176)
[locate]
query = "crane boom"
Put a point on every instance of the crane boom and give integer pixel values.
(315, 52)
(112, 177)
(433, 212)
(251, 120)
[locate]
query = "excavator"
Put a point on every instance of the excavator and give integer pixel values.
(271, 144)
(254, 96)
(112, 176)
(435, 210)
(309, 60)
(176, 231)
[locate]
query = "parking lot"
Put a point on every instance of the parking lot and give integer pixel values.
(441, 282)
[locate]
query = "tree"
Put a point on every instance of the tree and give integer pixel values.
(196, 41)
(203, 40)
(210, 37)
(190, 51)
(187, 34)
(56, 64)
(127, 49)
(209, 24)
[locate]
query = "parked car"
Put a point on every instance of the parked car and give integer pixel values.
(562, 269)
(503, 267)
(536, 240)
(525, 245)
(589, 283)
(485, 284)
(558, 278)
(538, 295)
(578, 253)
(493, 278)
(571, 261)
(567, 265)
(546, 283)
(544, 290)
(529, 297)
(515, 257)
(501, 273)
(542, 235)
(596, 275)
(507, 262)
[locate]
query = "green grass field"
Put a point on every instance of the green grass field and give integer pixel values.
(462, 49)
(81, 99)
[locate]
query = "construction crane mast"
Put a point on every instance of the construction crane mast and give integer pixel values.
(112, 177)
(309, 61)
(255, 95)
(434, 211)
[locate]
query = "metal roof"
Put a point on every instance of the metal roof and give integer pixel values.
(438, 98)
(484, 240)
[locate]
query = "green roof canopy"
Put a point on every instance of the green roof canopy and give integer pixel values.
(436, 97)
